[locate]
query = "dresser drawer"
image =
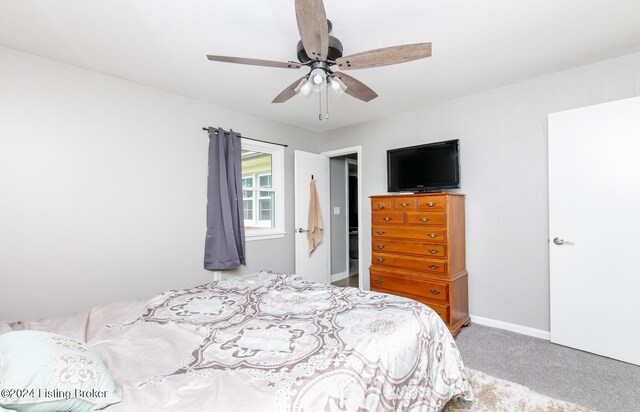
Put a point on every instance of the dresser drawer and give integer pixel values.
(410, 262)
(426, 218)
(415, 248)
(432, 234)
(404, 203)
(387, 218)
(381, 203)
(431, 203)
(410, 286)
(441, 310)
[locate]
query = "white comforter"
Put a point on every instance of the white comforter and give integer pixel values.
(272, 342)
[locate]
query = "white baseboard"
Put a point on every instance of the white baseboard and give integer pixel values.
(339, 276)
(512, 327)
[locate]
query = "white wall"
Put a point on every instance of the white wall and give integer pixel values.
(338, 172)
(103, 188)
(503, 138)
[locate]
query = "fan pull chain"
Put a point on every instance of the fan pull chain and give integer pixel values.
(320, 105)
(327, 96)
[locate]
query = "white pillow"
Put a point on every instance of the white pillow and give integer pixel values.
(43, 371)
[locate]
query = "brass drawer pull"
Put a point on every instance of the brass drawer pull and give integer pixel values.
(432, 251)
(435, 291)
(433, 267)
(380, 232)
(431, 204)
(432, 235)
(380, 206)
(378, 280)
(380, 246)
(380, 259)
(387, 218)
(404, 204)
(424, 219)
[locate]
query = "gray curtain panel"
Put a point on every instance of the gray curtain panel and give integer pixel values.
(225, 244)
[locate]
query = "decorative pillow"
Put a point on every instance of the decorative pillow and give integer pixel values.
(43, 371)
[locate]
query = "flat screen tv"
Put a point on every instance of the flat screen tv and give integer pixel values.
(425, 168)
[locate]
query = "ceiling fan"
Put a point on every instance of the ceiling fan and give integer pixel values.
(320, 52)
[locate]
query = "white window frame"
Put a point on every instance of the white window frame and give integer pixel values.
(277, 186)
(257, 199)
(256, 220)
(245, 189)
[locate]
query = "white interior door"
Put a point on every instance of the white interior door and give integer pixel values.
(316, 267)
(594, 228)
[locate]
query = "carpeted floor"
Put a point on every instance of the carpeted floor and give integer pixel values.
(598, 383)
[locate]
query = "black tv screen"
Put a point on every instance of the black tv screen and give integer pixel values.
(424, 168)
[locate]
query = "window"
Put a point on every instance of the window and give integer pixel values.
(262, 190)
(247, 182)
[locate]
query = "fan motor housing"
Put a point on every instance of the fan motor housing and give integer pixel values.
(335, 50)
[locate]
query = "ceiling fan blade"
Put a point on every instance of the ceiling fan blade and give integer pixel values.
(385, 56)
(313, 28)
(289, 92)
(356, 88)
(254, 62)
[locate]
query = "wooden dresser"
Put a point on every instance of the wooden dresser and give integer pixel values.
(418, 251)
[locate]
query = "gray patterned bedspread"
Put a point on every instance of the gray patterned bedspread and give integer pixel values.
(273, 342)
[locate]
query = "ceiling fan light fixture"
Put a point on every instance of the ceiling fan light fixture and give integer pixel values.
(317, 79)
(304, 89)
(336, 85)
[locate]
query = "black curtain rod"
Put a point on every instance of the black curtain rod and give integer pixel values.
(206, 129)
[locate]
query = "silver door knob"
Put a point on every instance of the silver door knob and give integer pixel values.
(558, 241)
(301, 230)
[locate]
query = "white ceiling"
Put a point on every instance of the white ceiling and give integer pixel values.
(476, 45)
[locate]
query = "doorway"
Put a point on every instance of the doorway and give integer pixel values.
(345, 215)
(317, 266)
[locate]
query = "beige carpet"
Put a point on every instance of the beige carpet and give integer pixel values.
(498, 395)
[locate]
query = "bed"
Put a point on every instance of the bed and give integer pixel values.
(270, 342)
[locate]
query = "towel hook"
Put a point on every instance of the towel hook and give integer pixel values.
(311, 177)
